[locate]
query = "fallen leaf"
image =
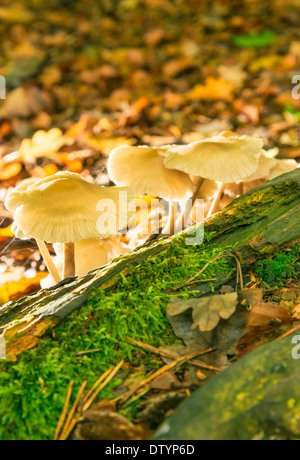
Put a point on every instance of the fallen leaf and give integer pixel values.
(106, 144)
(105, 424)
(214, 89)
(224, 337)
(16, 290)
(267, 322)
(165, 381)
(42, 144)
(255, 40)
(207, 311)
(23, 102)
(6, 233)
(10, 170)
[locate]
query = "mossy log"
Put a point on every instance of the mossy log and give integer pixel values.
(258, 225)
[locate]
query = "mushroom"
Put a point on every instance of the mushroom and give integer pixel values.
(90, 254)
(93, 253)
(22, 187)
(268, 169)
(64, 208)
(225, 158)
(142, 168)
(282, 167)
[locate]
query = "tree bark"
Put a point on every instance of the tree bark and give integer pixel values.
(260, 224)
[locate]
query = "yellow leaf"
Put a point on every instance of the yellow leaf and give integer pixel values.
(42, 144)
(9, 171)
(106, 144)
(16, 290)
(213, 90)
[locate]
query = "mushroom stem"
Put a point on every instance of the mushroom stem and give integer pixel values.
(48, 261)
(216, 200)
(241, 188)
(170, 225)
(69, 260)
(184, 216)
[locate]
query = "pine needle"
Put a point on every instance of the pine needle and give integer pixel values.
(106, 381)
(64, 411)
(65, 430)
(103, 376)
(166, 354)
(156, 374)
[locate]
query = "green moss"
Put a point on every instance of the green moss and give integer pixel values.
(33, 390)
(274, 272)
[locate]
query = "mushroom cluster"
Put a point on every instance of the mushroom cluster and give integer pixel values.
(64, 208)
(143, 169)
(170, 171)
(205, 169)
(83, 220)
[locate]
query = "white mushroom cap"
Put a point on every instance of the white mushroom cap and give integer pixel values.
(265, 166)
(18, 232)
(269, 168)
(225, 158)
(282, 167)
(65, 208)
(142, 168)
(93, 253)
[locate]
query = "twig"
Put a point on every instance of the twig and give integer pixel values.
(64, 411)
(79, 353)
(291, 331)
(156, 374)
(103, 376)
(228, 254)
(174, 356)
(65, 432)
(202, 281)
(106, 381)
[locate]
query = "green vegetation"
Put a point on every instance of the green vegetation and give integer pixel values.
(255, 40)
(33, 390)
(274, 272)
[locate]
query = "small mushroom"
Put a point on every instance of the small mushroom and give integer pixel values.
(93, 253)
(90, 254)
(263, 170)
(142, 168)
(225, 158)
(268, 169)
(282, 167)
(64, 208)
(22, 187)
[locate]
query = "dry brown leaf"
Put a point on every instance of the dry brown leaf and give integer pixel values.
(207, 311)
(267, 322)
(106, 424)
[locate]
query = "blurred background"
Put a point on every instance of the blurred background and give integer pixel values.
(152, 72)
